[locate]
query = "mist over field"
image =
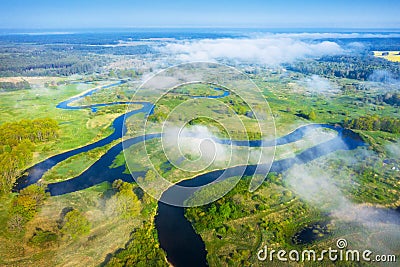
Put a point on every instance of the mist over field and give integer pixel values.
(270, 51)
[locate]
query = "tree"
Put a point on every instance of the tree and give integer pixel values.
(312, 116)
(36, 192)
(28, 202)
(225, 210)
(75, 225)
(142, 250)
(17, 145)
(24, 206)
(124, 202)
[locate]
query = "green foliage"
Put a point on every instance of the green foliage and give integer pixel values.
(24, 206)
(38, 130)
(124, 202)
(75, 225)
(239, 106)
(36, 192)
(17, 144)
(12, 160)
(28, 202)
(149, 204)
(10, 86)
(44, 239)
(214, 215)
(374, 123)
(312, 116)
(359, 67)
(27, 62)
(158, 116)
(142, 250)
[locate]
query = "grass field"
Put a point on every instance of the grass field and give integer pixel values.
(274, 214)
(77, 127)
(391, 55)
(106, 236)
(271, 215)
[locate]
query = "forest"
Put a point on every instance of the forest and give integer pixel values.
(17, 146)
(359, 67)
(41, 61)
(61, 59)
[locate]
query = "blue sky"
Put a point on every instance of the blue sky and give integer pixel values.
(201, 13)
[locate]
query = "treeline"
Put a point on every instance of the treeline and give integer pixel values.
(10, 86)
(41, 62)
(116, 50)
(346, 66)
(60, 59)
(17, 145)
(374, 123)
(47, 66)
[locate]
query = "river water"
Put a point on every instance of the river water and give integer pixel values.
(184, 247)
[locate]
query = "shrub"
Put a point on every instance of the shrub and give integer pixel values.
(75, 225)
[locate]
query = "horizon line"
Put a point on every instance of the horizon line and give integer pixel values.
(201, 27)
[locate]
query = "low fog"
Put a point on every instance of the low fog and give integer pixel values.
(319, 85)
(195, 144)
(315, 185)
(385, 77)
(271, 50)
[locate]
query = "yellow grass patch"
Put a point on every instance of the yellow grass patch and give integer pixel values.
(388, 55)
(101, 120)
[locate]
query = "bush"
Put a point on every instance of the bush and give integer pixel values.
(75, 225)
(43, 238)
(28, 202)
(312, 116)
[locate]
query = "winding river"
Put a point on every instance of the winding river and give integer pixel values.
(184, 247)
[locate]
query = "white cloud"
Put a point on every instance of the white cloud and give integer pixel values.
(320, 85)
(198, 142)
(267, 50)
(394, 149)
